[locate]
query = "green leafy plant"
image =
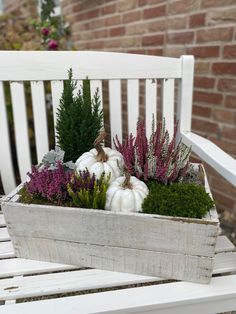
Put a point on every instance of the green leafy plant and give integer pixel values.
(79, 119)
(88, 192)
(178, 199)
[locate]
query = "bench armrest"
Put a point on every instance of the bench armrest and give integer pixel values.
(212, 154)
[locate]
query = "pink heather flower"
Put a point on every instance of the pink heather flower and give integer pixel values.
(45, 31)
(49, 184)
(52, 44)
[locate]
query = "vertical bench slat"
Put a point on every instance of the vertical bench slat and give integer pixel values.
(151, 104)
(57, 89)
(21, 128)
(40, 118)
(79, 87)
(6, 165)
(133, 104)
(184, 106)
(115, 109)
(94, 85)
(168, 104)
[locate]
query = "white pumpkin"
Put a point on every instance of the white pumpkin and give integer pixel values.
(126, 194)
(101, 159)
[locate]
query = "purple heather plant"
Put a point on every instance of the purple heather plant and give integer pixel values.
(158, 158)
(48, 184)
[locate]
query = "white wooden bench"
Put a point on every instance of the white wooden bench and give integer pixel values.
(99, 291)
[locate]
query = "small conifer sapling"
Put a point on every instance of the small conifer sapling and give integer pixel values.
(79, 119)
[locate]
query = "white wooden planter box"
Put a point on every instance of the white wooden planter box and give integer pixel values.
(169, 247)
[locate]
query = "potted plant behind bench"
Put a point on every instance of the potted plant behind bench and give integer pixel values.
(142, 208)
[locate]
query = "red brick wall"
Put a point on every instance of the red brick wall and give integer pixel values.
(204, 28)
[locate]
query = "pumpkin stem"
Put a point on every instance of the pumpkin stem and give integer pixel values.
(127, 184)
(101, 156)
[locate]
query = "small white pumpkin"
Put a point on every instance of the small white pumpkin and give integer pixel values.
(101, 159)
(126, 194)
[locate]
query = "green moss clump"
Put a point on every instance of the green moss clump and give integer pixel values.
(177, 199)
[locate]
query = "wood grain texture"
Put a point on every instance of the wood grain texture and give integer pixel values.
(169, 298)
(90, 226)
(45, 65)
(134, 261)
(6, 165)
(21, 128)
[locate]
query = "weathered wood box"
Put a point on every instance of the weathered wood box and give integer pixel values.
(169, 247)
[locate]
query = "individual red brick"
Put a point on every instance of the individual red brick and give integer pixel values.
(230, 52)
(230, 102)
(217, 3)
(216, 34)
(92, 14)
(204, 51)
(183, 6)
(109, 9)
(227, 85)
(204, 82)
(100, 33)
(97, 45)
(137, 51)
(224, 68)
(222, 200)
(113, 43)
(180, 38)
(210, 98)
(117, 31)
(197, 20)
(145, 2)
(177, 22)
(131, 17)
(154, 12)
(126, 5)
(202, 67)
(154, 52)
(201, 111)
(155, 25)
(204, 126)
(224, 16)
(222, 115)
(113, 20)
(228, 133)
(225, 186)
(152, 40)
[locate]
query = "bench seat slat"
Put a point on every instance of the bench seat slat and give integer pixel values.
(177, 297)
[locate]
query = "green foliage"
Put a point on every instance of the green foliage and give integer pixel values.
(88, 192)
(79, 120)
(47, 9)
(177, 199)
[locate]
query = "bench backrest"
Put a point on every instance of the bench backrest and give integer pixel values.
(37, 67)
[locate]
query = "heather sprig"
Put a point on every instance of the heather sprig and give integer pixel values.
(49, 185)
(86, 191)
(158, 158)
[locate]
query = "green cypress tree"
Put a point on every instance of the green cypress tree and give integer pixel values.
(79, 119)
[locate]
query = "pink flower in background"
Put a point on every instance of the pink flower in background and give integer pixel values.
(52, 44)
(45, 31)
